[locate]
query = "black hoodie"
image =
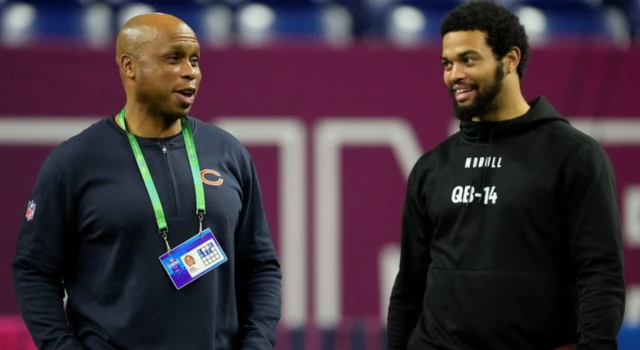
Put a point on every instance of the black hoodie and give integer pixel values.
(510, 240)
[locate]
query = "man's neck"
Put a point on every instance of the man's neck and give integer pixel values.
(508, 106)
(141, 123)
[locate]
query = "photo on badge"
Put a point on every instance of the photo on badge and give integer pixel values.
(193, 258)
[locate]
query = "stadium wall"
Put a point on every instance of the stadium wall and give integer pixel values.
(334, 133)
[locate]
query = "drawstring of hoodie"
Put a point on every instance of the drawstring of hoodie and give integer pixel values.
(475, 153)
(484, 175)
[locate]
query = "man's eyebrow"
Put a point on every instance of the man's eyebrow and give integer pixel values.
(463, 54)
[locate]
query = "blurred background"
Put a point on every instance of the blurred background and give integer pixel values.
(335, 100)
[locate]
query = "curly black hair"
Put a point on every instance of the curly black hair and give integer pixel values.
(502, 28)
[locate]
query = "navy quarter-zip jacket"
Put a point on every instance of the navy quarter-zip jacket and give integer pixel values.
(94, 233)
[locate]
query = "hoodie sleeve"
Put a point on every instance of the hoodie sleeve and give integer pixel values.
(38, 264)
(407, 295)
(258, 274)
(595, 239)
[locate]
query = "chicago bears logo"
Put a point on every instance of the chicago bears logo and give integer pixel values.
(215, 180)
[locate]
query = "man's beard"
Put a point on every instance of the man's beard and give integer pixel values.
(483, 102)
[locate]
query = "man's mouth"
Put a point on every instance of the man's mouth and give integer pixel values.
(186, 95)
(188, 92)
(462, 95)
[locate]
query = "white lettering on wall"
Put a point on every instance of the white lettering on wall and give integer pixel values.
(631, 215)
(290, 138)
(632, 310)
(289, 135)
(388, 263)
(331, 135)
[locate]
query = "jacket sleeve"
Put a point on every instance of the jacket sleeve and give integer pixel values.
(38, 264)
(407, 295)
(595, 239)
(258, 274)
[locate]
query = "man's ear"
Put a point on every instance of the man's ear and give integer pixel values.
(127, 65)
(512, 59)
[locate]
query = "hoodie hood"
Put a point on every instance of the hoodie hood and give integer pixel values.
(540, 113)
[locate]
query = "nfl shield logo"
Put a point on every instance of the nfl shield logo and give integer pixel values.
(31, 209)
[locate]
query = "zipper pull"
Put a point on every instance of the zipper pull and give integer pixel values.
(164, 149)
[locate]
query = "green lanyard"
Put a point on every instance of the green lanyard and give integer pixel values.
(148, 181)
